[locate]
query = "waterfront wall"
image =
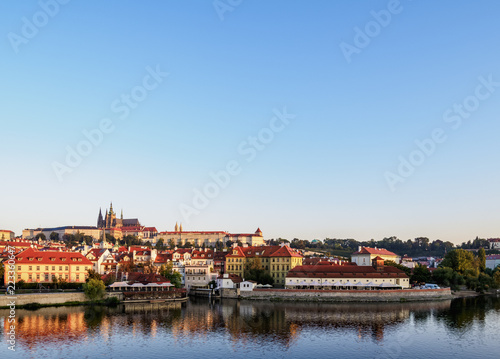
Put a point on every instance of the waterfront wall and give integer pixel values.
(347, 295)
(50, 298)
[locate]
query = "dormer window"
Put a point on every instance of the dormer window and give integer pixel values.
(39, 259)
(30, 259)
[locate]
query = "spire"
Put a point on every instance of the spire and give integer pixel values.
(111, 208)
(99, 219)
(176, 227)
(121, 215)
(180, 228)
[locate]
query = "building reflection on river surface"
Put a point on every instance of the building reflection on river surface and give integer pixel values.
(240, 321)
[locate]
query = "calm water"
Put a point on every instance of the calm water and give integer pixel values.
(463, 328)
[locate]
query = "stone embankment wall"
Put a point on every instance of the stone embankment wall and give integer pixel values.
(348, 295)
(49, 298)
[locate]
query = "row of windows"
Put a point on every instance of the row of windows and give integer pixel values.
(47, 276)
(30, 268)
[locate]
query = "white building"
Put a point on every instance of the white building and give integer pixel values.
(365, 255)
(492, 261)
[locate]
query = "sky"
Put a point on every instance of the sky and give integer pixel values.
(310, 120)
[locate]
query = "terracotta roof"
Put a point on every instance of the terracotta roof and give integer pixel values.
(32, 256)
(235, 278)
(379, 251)
(285, 251)
(146, 278)
(350, 271)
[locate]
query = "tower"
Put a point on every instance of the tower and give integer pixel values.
(100, 221)
(176, 227)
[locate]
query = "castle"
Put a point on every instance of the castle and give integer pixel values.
(110, 220)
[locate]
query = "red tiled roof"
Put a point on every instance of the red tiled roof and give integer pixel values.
(234, 277)
(51, 258)
(378, 251)
(285, 251)
(349, 271)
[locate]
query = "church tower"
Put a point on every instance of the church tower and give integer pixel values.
(100, 221)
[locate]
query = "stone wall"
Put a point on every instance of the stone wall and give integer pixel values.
(50, 298)
(348, 295)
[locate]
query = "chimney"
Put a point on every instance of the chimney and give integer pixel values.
(359, 248)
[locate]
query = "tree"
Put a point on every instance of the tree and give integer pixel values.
(169, 273)
(421, 274)
(92, 274)
(160, 245)
(481, 256)
(94, 289)
(461, 261)
(54, 236)
(41, 236)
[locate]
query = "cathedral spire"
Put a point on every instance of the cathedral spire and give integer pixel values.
(176, 227)
(111, 208)
(99, 219)
(180, 228)
(121, 215)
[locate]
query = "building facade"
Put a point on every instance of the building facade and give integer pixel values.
(365, 255)
(33, 266)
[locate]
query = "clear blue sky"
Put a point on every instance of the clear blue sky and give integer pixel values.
(323, 175)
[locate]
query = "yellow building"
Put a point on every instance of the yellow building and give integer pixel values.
(275, 260)
(6, 235)
(33, 266)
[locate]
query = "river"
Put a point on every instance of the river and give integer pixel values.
(461, 328)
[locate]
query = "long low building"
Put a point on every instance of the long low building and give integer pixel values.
(34, 266)
(326, 275)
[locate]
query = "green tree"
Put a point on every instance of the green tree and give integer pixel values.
(94, 289)
(481, 256)
(54, 236)
(41, 236)
(421, 274)
(92, 274)
(460, 261)
(173, 276)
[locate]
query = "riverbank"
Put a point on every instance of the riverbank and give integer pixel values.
(405, 295)
(51, 299)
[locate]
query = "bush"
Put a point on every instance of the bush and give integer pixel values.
(94, 289)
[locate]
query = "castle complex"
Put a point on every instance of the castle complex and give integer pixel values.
(120, 227)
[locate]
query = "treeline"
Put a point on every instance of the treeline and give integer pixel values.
(418, 247)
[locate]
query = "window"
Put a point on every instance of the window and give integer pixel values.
(60, 267)
(18, 276)
(18, 267)
(77, 277)
(46, 267)
(77, 268)
(38, 277)
(46, 277)
(66, 277)
(66, 268)
(29, 276)
(29, 268)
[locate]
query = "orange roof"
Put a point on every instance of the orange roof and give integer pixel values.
(32, 256)
(350, 271)
(378, 251)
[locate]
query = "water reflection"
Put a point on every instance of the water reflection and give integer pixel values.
(248, 324)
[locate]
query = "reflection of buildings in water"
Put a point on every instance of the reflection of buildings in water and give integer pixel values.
(47, 326)
(255, 323)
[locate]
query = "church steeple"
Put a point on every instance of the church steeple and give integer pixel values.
(176, 227)
(180, 228)
(99, 219)
(111, 208)
(121, 217)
